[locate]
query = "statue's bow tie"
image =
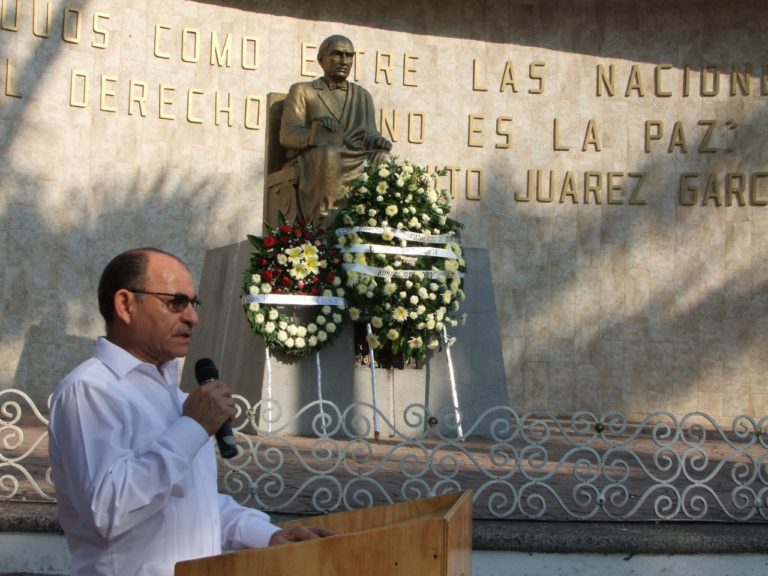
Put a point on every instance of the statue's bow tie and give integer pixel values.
(343, 85)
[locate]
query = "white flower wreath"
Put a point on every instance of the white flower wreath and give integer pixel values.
(403, 266)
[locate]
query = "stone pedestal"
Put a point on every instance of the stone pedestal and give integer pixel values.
(348, 402)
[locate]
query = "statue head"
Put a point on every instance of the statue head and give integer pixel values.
(335, 56)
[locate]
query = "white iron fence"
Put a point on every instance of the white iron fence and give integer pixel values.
(529, 466)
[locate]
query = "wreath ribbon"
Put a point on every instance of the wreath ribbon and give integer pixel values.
(295, 300)
(403, 234)
(404, 251)
(382, 273)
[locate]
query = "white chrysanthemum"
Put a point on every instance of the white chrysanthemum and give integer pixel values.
(321, 320)
(391, 210)
(289, 342)
(311, 328)
(301, 331)
(373, 341)
(312, 341)
(414, 299)
(400, 314)
(282, 335)
(354, 314)
(322, 336)
(393, 334)
(282, 325)
(282, 259)
(273, 314)
(415, 342)
(300, 342)
(382, 187)
(269, 327)
(258, 318)
(255, 279)
(266, 288)
(384, 172)
(330, 327)
(387, 235)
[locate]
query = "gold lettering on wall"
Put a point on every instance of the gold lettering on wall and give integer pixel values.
(106, 93)
(308, 59)
(71, 29)
(6, 13)
(46, 31)
(222, 108)
(10, 88)
(383, 67)
(478, 76)
(102, 40)
(417, 127)
(221, 55)
(190, 45)
(475, 131)
(253, 105)
(166, 101)
(250, 51)
(475, 184)
(137, 98)
(409, 70)
(158, 51)
(501, 130)
(191, 96)
(78, 89)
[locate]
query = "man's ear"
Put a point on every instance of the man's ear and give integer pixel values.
(125, 304)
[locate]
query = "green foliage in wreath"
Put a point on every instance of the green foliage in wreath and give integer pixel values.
(403, 266)
(292, 291)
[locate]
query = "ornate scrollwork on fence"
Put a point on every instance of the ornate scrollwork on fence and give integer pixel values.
(24, 470)
(532, 465)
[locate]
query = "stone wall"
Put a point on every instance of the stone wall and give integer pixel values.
(610, 156)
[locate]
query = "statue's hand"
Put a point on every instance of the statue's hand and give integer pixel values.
(381, 143)
(327, 122)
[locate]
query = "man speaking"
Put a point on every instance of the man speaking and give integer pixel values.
(132, 455)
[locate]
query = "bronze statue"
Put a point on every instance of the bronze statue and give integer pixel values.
(329, 126)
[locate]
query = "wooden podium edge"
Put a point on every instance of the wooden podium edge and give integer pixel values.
(431, 534)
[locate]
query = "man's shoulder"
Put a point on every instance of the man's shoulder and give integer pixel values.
(91, 369)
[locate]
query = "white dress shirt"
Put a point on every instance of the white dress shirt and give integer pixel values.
(136, 481)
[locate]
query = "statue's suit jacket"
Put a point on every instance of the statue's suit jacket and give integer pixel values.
(327, 161)
(307, 101)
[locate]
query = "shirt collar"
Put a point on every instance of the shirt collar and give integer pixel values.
(122, 362)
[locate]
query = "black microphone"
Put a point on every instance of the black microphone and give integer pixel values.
(205, 370)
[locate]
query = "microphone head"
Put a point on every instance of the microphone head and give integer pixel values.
(206, 370)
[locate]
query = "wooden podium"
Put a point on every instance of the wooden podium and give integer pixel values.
(431, 536)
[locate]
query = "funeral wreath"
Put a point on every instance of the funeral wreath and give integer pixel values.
(292, 291)
(402, 262)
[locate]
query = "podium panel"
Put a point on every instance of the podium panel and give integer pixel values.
(428, 537)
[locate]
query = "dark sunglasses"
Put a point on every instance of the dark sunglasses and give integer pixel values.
(178, 302)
